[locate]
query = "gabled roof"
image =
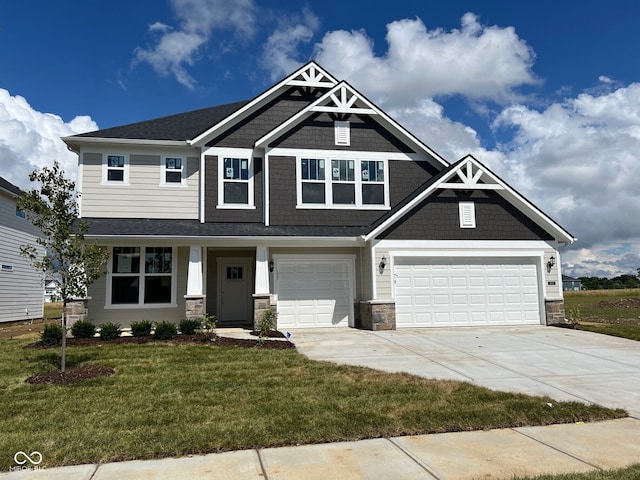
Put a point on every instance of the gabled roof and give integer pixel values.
(469, 174)
(310, 75)
(9, 187)
(344, 99)
(177, 128)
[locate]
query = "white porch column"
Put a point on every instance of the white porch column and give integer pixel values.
(262, 271)
(194, 277)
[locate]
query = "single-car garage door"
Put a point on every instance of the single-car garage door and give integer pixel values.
(314, 293)
(433, 292)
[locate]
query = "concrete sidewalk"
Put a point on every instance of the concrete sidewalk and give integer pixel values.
(495, 454)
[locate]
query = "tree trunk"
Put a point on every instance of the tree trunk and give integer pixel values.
(63, 360)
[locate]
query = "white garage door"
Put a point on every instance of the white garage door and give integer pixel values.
(465, 292)
(314, 293)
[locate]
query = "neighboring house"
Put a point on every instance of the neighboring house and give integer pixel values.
(311, 199)
(21, 293)
(52, 290)
(570, 283)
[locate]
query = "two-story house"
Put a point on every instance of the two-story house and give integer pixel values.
(310, 199)
(21, 288)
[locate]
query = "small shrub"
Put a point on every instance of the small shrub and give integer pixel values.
(189, 326)
(141, 328)
(267, 323)
(52, 335)
(165, 331)
(83, 329)
(110, 331)
(574, 317)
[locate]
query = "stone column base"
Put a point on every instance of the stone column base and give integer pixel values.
(377, 315)
(194, 306)
(76, 310)
(554, 311)
(261, 303)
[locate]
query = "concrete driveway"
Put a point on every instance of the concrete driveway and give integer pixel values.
(537, 360)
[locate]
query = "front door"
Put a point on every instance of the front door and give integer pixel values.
(234, 290)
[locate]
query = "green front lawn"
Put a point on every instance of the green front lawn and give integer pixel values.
(611, 312)
(169, 400)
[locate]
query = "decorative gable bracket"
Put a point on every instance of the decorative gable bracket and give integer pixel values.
(472, 177)
(342, 99)
(312, 76)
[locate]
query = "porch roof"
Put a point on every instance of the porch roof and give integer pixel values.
(149, 227)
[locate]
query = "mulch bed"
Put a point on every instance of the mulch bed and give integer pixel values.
(84, 372)
(71, 375)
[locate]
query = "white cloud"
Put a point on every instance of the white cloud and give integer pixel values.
(30, 139)
(280, 52)
(477, 61)
(176, 49)
(583, 159)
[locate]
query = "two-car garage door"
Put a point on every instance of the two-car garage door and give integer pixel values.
(433, 292)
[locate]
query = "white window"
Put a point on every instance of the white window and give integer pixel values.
(467, 212)
(313, 180)
(235, 179)
(372, 182)
(342, 183)
(115, 169)
(141, 276)
(342, 133)
(173, 171)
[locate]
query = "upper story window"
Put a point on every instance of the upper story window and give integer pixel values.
(115, 169)
(343, 182)
(173, 171)
(349, 183)
(313, 185)
(372, 182)
(467, 212)
(235, 179)
(20, 213)
(342, 133)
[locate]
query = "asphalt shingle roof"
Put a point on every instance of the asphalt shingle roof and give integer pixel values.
(182, 126)
(193, 228)
(10, 187)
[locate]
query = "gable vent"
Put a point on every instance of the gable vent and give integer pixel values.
(343, 136)
(467, 215)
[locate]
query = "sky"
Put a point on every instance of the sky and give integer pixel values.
(545, 93)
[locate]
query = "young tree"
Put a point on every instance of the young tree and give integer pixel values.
(53, 209)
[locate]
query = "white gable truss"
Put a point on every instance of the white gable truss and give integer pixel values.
(309, 76)
(343, 99)
(470, 174)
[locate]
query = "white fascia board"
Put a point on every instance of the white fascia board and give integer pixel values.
(256, 102)
(514, 245)
(74, 143)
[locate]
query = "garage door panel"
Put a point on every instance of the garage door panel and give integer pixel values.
(314, 293)
(466, 291)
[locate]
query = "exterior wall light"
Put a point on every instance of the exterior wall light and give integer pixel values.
(551, 263)
(382, 264)
(271, 266)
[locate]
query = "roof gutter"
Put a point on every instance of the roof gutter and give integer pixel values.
(73, 142)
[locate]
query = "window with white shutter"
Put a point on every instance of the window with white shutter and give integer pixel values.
(467, 215)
